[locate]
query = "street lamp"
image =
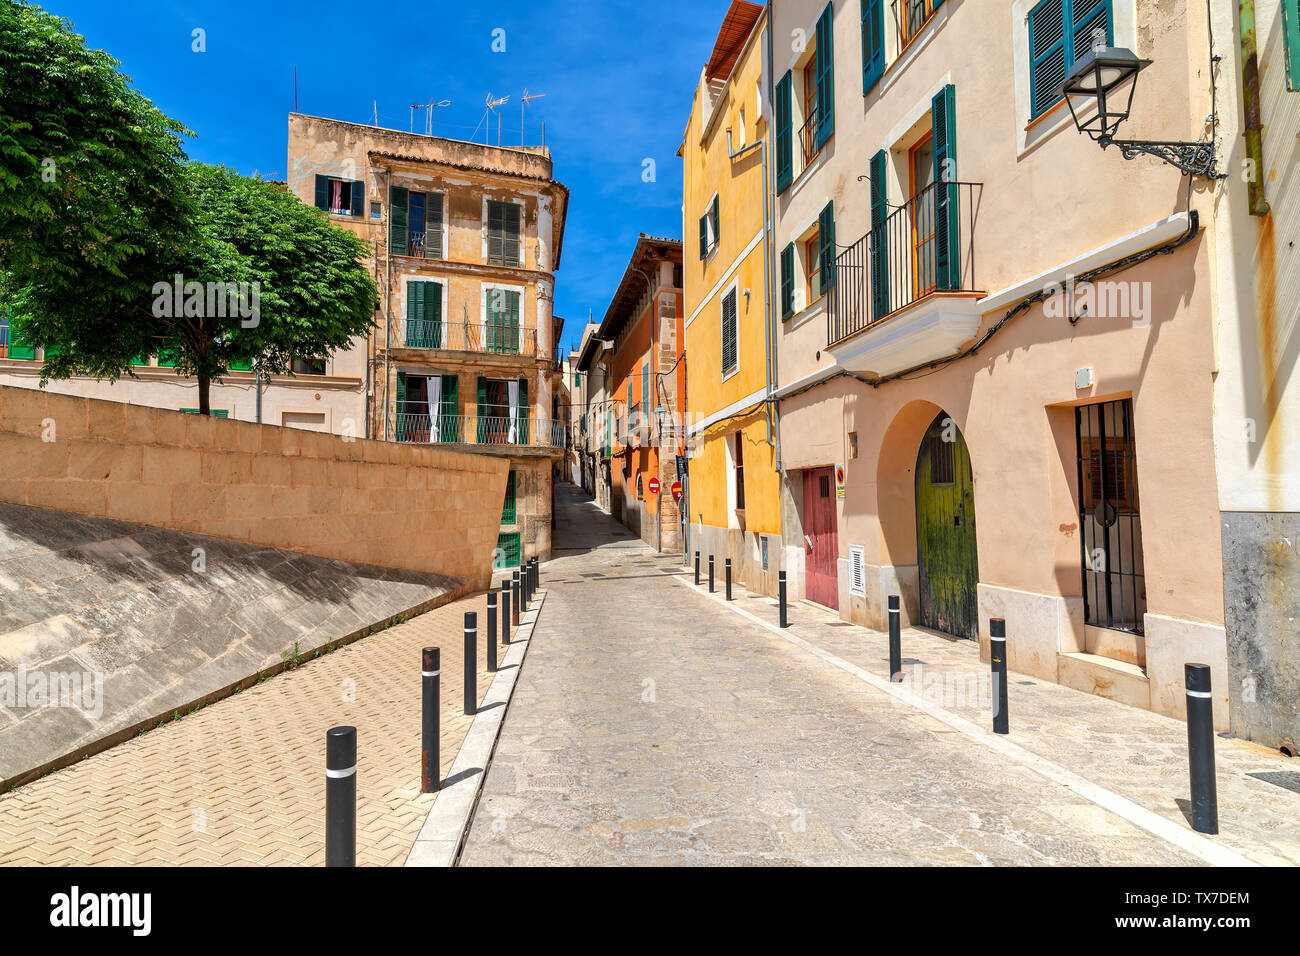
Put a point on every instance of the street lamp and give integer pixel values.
(1105, 79)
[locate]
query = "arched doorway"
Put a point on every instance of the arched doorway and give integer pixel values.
(947, 563)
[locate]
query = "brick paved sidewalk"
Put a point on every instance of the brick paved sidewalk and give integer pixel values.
(1135, 753)
(242, 781)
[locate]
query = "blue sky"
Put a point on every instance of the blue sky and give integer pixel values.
(618, 75)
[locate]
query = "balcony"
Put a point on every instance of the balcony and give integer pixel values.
(503, 432)
(905, 293)
(487, 338)
(417, 247)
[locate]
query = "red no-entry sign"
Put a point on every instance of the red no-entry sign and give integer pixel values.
(677, 490)
(654, 486)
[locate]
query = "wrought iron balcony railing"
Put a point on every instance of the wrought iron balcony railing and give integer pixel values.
(493, 338)
(923, 247)
(422, 428)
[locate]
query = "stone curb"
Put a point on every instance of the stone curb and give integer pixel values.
(443, 834)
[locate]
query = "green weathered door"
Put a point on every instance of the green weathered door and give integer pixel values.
(945, 531)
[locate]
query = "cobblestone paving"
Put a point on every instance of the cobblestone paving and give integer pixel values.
(652, 726)
(243, 782)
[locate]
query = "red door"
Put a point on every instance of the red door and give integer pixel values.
(821, 540)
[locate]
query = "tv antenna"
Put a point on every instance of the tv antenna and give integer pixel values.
(525, 101)
(428, 108)
(492, 104)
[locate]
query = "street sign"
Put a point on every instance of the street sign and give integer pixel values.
(677, 490)
(654, 486)
(839, 481)
(681, 466)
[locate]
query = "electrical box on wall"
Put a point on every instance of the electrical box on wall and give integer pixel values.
(1083, 378)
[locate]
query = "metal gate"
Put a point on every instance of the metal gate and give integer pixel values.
(947, 562)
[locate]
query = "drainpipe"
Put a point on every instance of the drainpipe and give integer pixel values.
(388, 299)
(1250, 96)
(769, 191)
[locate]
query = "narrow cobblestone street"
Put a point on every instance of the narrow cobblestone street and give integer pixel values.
(654, 725)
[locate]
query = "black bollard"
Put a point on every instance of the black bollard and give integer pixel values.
(727, 574)
(429, 756)
(710, 574)
(780, 592)
(1200, 748)
(697, 569)
(505, 612)
(471, 662)
(537, 573)
(998, 657)
(492, 631)
(341, 796)
(895, 640)
(514, 607)
(532, 580)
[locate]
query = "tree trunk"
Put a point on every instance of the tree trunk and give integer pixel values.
(205, 401)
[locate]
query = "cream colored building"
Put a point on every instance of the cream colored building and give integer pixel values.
(466, 240)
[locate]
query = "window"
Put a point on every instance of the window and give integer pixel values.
(812, 266)
(709, 223)
(916, 13)
(640, 488)
(784, 135)
(415, 223)
(1061, 31)
(762, 545)
(787, 281)
(873, 42)
(503, 332)
(376, 210)
(340, 197)
(503, 413)
(503, 245)
(508, 509)
(730, 344)
(216, 412)
(308, 366)
(740, 471)
(507, 553)
(424, 315)
(808, 132)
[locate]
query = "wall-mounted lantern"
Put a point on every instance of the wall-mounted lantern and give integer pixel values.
(1105, 78)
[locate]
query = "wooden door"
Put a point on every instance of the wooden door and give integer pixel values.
(947, 562)
(821, 539)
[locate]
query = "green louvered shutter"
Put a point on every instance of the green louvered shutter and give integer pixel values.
(825, 77)
(433, 312)
(523, 411)
(397, 198)
(495, 228)
(784, 135)
(873, 42)
(508, 509)
(511, 233)
(947, 199)
(322, 192)
(482, 410)
(730, 345)
(19, 347)
(512, 322)
(358, 198)
(449, 408)
(1088, 17)
(787, 281)
(717, 222)
(415, 328)
(1291, 43)
(826, 245)
(879, 240)
(704, 237)
(1047, 54)
(401, 406)
(433, 226)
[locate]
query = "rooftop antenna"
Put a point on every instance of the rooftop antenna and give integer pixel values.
(526, 101)
(376, 122)
(428, 113)
(492, 104)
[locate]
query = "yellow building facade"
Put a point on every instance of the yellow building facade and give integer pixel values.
(733, 492)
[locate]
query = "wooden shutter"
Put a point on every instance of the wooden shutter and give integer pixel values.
(729, 331)
(482, 410)
(784, 135)
(947, 206)
(508, 509)
(704, 236)
(717, 222)
(433, 226)
(358, 198)
(322, 192)
(449, 407)
(1087, 17)
(397, 199)
(401, 406)
(1291, 43)
(873, 42)
(510, 235)
(1047, 54)
(415, 328)
(523, 411)
(787, 281)
(826, 245)
(879, 239)
(825, 77)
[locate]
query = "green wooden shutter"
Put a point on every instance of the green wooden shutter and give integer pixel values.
(433, 226)
(717, 222)
(19, 348)
(495, 246)
(449, 408)
(358, 198)
(397, 198)
(433, 311)
(825, 77)
(787, 281)
(523, 411)
(1086, 18)
(401, 406)
(730, 348)
(508, 509)
(415, 328)
(704, 236)
(1291, 43)
(482, 407)
(1048, 62)
(513, 343)
(784, 135)
(879, 240)
(947, 205)
(826, 245)
(322, 192)
(873, 42)
(510, 235)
